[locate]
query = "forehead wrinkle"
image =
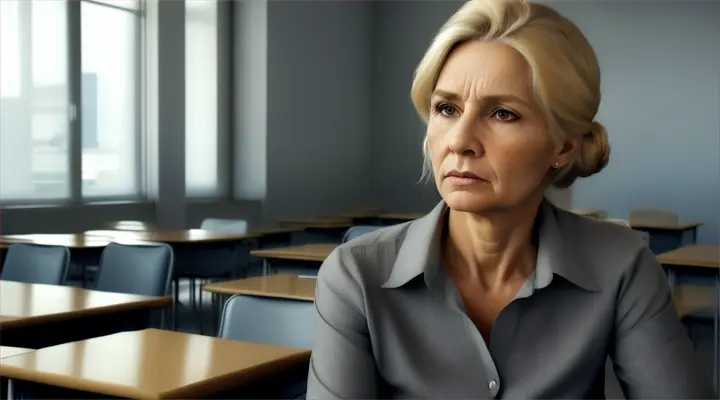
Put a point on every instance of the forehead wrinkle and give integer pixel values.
(486, 76)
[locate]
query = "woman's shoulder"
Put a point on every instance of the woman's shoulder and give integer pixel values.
(607, 248)
(366, 258)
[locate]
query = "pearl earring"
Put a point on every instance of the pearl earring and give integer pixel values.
(557, 164)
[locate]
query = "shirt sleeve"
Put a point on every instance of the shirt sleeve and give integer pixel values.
(342, 365)
(652, 353)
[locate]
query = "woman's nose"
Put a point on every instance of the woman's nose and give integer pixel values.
(464, 139)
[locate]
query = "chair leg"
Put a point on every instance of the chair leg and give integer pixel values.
(201, 311)
(192, 293)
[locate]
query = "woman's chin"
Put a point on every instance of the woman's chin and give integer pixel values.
(466, 201)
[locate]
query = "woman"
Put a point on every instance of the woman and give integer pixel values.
(496, 292)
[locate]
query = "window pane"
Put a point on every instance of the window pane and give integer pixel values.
(110, 129)
(34, 100)
(201, 128)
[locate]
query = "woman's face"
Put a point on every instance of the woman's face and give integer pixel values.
(488, 139)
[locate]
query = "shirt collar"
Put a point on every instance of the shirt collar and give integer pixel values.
(557, 253)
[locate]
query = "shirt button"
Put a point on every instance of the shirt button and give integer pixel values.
(492, 385)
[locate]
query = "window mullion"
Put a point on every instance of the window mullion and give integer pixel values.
(75, 90)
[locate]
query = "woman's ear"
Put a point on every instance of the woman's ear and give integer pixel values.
(567, 151)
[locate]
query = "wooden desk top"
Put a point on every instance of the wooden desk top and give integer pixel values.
(172, 236)
(306, 252)
(276, 230)
(23, 304)
(360, 213)
(281, 286)
(402, 216)
(7, 351)
(319, 223)
(152, 364)
(70, 240)
(692, 256)
(676, 227)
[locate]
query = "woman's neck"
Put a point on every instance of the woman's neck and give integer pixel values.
(493, 249)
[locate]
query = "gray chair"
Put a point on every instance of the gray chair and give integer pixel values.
(34, 263)
(273, 321)
(136, 269)
(239, 226)
(359, 230)
(268, 320)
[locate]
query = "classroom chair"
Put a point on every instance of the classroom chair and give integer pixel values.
(34, 263)
(238, 226)
(232, 226)
(653, 217)
(357, 231)
(136, 269)
(268, 320)
(134, 226)
(272, 321)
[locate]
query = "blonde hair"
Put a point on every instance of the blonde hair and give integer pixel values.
(565, 73)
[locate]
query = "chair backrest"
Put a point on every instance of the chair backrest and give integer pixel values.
(268, 320)
(135, 226)
(34, 263)
(238, 226)
(136, 269)
(653, 217)
(359, 230)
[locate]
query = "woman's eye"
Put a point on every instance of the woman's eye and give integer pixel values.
(445, 109)
(504, 115)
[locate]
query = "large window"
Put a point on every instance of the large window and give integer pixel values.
(110, 98)
(35, 111)
(69, 100)
(201, 99)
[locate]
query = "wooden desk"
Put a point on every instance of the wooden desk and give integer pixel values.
(666, 237)
(308, 252)
(172, 236)
(73, 240)
(304, 259)
(706, 256)
(699, 261)
(276, 230)
(319, 223)
(150, 364)
(280, 286)
(8, 351)
(70, 240)
(668, 227)
(402, 217)
(34, 314)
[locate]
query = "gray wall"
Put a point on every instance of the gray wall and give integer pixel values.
(661, 69)
(319, 93)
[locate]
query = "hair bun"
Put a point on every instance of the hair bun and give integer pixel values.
(594, 151)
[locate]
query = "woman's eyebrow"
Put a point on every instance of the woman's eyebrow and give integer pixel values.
(497, 98)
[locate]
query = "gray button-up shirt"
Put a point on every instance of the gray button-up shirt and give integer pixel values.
(391, 324)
